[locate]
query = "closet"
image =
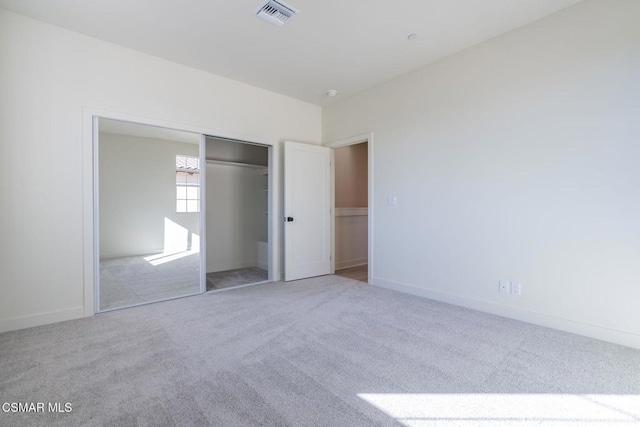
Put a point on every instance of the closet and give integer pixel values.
(237, 213)
(177, 213)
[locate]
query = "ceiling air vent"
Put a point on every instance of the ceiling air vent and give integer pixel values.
(276, 12)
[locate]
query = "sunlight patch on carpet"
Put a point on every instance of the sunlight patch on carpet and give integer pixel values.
(466, 410)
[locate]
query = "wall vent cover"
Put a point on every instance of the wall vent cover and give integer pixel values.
(276, 12)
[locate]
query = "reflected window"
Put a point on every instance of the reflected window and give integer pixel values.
(187, 184)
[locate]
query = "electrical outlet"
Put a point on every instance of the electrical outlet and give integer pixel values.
(516, 288)
(504, 287)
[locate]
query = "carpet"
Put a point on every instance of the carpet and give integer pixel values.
(322, 351)
(134, 280)
(231, 278)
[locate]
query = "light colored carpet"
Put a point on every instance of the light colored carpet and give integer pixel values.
(231, 278)
(326, 351)
(133, 280)
(359, 273)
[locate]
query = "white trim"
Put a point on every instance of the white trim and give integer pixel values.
(352, 211)
(16, 323)
(216, 133)
(274, 205)
(352, 140)
(228, 265)
(542, 319)
(351, 263)
(332, 208)
(203, 213)
(124, 307)
(88, 249)
(134, 253)
(96, 213)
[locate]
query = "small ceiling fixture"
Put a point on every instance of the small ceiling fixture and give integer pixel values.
(412, 36)
(275, 11)
(332, 92)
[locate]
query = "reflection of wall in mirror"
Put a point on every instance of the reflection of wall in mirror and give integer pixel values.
(138, 197)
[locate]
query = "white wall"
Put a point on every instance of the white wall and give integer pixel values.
(515, 160)
(138, 194)
(48, 76)
(236, 203)
(351, 237)
(351, 173)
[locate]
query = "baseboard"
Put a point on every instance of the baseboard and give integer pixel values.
(351, 263)
(16, 323)
(148, 252)
(592, 331)
(352, 211)
(226, 266)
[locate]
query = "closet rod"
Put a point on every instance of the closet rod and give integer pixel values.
(222, 162)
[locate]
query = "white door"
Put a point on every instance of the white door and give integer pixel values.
(307, 216)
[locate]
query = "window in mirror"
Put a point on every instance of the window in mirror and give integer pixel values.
(187, 184)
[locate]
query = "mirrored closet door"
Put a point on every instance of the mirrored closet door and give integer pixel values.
(148, 212)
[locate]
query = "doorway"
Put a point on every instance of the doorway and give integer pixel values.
(351, 223)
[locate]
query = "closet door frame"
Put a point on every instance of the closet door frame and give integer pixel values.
(91, 237)
(202, 218)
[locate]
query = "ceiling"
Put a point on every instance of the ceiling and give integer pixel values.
(346, 45)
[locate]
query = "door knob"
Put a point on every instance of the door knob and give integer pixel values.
(289, 219)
